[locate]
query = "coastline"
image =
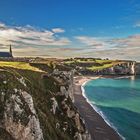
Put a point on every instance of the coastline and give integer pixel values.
(97, 125)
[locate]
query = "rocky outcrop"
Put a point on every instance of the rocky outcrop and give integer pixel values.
(123, 68)
(54, 105)
(137, 68)
(65, 106)
(127, 68)
(66, 80)
(18, 116)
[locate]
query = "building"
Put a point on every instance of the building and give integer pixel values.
(7, 54)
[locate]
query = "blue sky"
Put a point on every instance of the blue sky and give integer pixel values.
(74, 27)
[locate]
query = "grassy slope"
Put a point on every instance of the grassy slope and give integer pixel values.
(18, 65)
(94, 68)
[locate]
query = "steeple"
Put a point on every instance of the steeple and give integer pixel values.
(10, 50)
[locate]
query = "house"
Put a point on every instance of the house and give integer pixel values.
(7, 54)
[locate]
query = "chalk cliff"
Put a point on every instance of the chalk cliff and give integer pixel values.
(38, 106)
(124, 68)
(137, 69)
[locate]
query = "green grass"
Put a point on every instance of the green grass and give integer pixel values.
(97, 63)
(89, 61)
(104, 61)
(80, 61)
(19, 65)
(93, 68)
(85, 61)
(106, 64)
(69, 62)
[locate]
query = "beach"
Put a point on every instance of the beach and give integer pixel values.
(96, 125)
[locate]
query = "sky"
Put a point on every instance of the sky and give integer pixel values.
(71, 28)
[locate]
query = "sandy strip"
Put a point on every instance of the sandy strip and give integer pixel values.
(95, 124)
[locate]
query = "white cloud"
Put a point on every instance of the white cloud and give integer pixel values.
(93, 42)
(2, 25)
(117, 48)
(58, 30)
(128, 42)
(109, 43)
(31, 36)
(88, 40)
(29, 41)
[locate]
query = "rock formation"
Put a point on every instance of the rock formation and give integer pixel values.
(137, 68)
(18, 116)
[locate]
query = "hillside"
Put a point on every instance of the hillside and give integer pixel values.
(36, 104)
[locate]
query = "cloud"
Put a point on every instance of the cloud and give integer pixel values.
(97, 43)
(90, 41)
(58, 30)
(28, 35)
(114, 48)
(2, 25)
(128, 42)
(31, 41)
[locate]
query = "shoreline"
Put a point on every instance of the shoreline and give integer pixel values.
(97, 109)
(98, 127)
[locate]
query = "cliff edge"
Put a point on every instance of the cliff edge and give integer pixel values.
(37, 104)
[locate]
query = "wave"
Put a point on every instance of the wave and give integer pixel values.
(98, 110)
(123, 77)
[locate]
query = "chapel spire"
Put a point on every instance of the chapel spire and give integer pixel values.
(10, 49)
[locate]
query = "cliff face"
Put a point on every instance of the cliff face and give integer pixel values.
(125, 68)
(138, 68)
(62, 106)
(38, 106)
(18, 116)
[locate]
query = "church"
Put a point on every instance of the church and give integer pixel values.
(7, 54)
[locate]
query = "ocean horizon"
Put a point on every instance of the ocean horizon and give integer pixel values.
(117, 101)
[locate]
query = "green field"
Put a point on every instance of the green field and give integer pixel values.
(18, 65)
(98, 64)
(94, 68)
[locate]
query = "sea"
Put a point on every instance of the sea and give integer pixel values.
(117, 100)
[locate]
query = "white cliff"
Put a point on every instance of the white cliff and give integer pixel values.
(19, 118)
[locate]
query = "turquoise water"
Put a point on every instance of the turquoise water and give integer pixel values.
(119, 100)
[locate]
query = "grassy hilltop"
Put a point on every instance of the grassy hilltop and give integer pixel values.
(92, 64)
